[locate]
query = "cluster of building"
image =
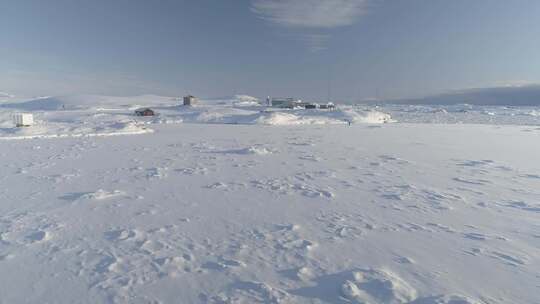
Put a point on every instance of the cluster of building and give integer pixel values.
(294, 103)
(188, 100)
(26, 119)
(284, 103)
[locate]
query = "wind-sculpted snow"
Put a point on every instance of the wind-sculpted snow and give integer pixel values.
(461, 114)
(61, 130)
(263, 116)
(221, 213)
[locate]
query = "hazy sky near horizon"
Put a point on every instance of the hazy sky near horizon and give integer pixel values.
(356, 49)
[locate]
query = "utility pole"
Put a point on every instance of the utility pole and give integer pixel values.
(329, 87)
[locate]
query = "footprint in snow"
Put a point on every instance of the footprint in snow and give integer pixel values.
(372, 286)
(38, 236)
(253, 150)
(446, 299)
(98, 195)
(508, 259)
(405, 260)
(28, 229)
(251, 292)
(312, 158)
(173, 266)
(304, 274)
(511, 259)
(471, 181)
(157, 173)
(475, 163)
(523, 206)
(193, 171)
(121, 235)
(392, 159)
(222, 264)
(360, 286)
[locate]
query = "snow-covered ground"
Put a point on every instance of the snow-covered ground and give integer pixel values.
(230, 202)
(462, 114)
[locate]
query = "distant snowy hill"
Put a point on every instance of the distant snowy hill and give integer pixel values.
(527, 95)
(72, 102)
(4, 94)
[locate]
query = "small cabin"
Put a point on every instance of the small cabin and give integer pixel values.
(23, 119)
(145, 112)
(190, 100)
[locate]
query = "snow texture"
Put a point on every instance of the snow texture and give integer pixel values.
(221, 203)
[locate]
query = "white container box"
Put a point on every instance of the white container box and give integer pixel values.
(23, 119)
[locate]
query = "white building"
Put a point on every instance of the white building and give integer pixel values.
(285, 102)
(23, 119)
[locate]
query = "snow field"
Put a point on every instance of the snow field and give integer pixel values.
(399, 213)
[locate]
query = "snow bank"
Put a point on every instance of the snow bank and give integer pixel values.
(263, 116)
(278, 119)
(245, 100)
(252, 150)
(535, 113)
(52, 130)
(370, 117)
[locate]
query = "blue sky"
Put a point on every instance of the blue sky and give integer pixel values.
(356, 48)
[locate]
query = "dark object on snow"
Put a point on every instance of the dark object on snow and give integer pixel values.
(329, 106)
(190, 100)
(145, 112)
(311, 106)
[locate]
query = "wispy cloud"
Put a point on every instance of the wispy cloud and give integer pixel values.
(311, 20)
(315, 42)
(324, 14)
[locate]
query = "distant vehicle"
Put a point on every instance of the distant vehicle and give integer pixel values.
(23, 119)
(145, 112)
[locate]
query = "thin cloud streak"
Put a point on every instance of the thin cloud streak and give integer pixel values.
(315, 42)
(324, 14)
